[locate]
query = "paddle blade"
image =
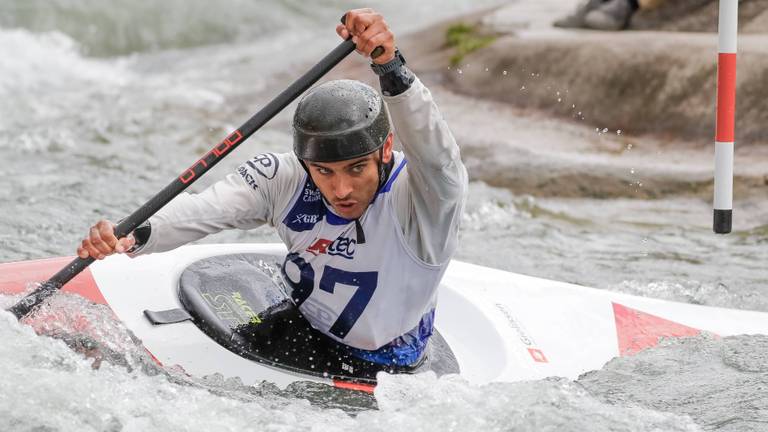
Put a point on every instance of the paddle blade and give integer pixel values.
(32, 300)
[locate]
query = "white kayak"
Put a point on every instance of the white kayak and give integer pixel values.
(491, 325)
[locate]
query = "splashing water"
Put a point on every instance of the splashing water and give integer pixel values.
(45, 374)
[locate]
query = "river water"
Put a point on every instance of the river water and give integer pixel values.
(104, 102)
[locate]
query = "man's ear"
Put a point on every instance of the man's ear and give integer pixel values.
(388, 144)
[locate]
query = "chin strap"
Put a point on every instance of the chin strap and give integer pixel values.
(359, 233)
(384, 170)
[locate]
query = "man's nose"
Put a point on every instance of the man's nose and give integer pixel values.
(343, 187)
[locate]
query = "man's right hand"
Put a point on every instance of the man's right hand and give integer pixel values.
(101, 241)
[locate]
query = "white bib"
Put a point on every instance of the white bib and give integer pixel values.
(362, 295)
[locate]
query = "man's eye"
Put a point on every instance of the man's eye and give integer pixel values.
(323, 170)
(358, 169)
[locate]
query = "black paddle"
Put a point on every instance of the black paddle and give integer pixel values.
(194, 172)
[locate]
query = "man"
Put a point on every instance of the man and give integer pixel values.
(349, 208)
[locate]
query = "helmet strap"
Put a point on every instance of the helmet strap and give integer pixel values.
(359, 233)
(303, 165)
(384, 168)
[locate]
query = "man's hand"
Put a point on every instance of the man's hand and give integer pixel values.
(368, 30)
(101, 241)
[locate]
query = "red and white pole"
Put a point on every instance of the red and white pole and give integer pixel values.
(726, 115)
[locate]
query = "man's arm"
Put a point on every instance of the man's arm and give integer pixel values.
(244, 200)
(224, 205)
(430, 203)
(259, 189)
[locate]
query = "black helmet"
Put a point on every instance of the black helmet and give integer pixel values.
(339, 120)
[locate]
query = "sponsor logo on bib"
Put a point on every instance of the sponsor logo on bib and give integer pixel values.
(302, 218)
(342, 246)
(311, 195)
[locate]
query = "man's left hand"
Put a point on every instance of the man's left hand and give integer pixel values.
(368, 30)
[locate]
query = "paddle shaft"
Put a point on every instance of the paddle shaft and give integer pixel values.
(190, 175)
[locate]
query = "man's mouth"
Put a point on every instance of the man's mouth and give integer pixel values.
(345, 205)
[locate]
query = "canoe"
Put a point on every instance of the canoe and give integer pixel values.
(491, 325)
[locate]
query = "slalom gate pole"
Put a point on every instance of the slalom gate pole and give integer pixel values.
(726, 115)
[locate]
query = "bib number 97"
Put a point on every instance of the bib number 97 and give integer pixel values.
(364, 282)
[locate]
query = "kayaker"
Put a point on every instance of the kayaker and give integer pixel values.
(369, 235)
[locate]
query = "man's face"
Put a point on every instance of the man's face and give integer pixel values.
(350, 185)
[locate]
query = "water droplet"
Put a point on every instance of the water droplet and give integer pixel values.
(629, 146)
(559, 99)
(631, 170)
(460, 72)
(574, 106)
(504, 73)
(618, 132)
(605, 130)
(558, 93)
(486, 69)
(522, 88)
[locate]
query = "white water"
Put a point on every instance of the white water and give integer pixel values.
(47, 386)
(104, 103)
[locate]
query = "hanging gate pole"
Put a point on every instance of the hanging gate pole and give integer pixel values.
(726, 115)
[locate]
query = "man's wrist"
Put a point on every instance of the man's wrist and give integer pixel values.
(384, 68)
(394, 76)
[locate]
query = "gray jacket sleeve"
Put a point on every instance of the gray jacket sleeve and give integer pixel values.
(430, 203)
(247, 199)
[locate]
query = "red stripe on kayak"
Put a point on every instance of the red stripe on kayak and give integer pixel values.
(726, 97)
(159, 363)
(638, 330)
(15, 276)
(368, 388)
(537, 355)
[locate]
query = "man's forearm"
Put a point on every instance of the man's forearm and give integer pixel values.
(189, 217)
